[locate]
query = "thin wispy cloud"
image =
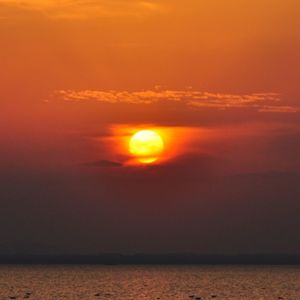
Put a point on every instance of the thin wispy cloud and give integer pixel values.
(79, 9)
(279, 109)
(262, 102)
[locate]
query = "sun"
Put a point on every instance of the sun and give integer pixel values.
(146, 146)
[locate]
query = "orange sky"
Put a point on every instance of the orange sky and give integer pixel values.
(217, 46)
(165, 59)
(221, 77)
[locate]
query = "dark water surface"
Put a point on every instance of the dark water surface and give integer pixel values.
(149, 282)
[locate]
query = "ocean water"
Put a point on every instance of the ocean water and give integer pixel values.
(149, 282)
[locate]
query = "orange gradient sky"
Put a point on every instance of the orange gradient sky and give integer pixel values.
(218, 79)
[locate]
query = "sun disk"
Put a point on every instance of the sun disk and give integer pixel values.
(146, 146)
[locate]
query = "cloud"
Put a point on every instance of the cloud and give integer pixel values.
(80, 9)
(278, 109)
(104, 164)
(262, 102)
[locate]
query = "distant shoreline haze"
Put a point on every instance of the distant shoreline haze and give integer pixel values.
(149, 259)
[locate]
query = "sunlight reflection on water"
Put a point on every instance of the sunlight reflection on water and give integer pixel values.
(149, 282)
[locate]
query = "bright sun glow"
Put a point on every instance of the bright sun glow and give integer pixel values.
(146, 146)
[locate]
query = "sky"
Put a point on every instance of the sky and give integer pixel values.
(218, 79)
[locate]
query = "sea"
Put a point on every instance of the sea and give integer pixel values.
(154, 282)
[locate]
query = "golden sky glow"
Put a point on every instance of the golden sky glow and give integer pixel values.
(83, 68)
